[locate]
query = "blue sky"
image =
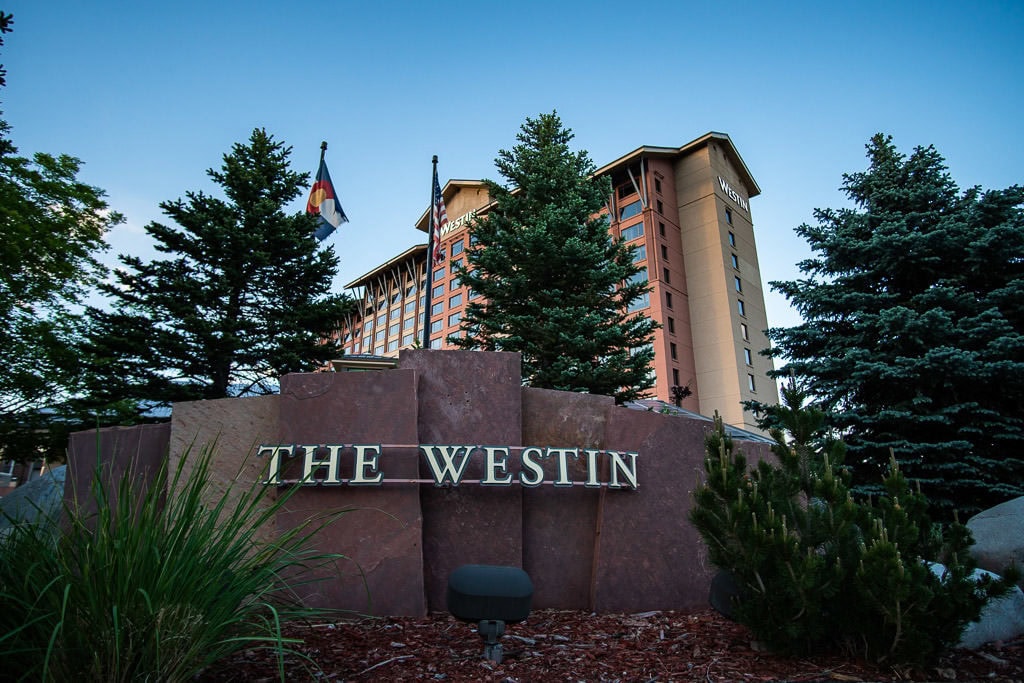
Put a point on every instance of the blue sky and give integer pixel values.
(149, 95)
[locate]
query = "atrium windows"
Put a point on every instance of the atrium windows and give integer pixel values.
(630, 210)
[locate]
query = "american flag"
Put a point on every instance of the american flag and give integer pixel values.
(440, 220)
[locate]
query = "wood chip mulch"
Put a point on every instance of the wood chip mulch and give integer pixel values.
(556, 645)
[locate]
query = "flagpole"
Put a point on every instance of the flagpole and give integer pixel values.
(429, 264)
(323, 150)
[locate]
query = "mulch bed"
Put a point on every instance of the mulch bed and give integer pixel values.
(556, 645)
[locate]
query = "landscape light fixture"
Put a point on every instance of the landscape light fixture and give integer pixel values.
(490, 596)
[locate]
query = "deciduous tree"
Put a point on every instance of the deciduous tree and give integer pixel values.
(51, 229)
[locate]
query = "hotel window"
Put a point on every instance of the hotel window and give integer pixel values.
(438, 291)
(436, 326)
(750, 382)
(640, 254)
(668, 278)
(395, 314)
(661, 229)
(454, 319)
(379, 336)
(728, 216)
(732, 239)
(640, 349)
(435, 343)
(395, 297)
(410, 307)
(393, 345)
(657, 184)
(455, 301)
(410, 289)
(457, 247)
(626, 189)
(737, 283)
(438, 274)
(455, 284)
(644, 300)
(630, 210)
(672, 351)
(735, 261)
(408, 323)
(664, 252)
(671, 325)
(407, 340)
(661, 207)
(741, 307)
(632, 232)
(366, 342)
(381, 318)
(437, 308)
(744, 332)
(675, 376)
(668, 299)
(379, 350)
(393, 330)
(748, 357)
(456, 265)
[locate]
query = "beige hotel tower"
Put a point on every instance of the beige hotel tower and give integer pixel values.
(688, 211)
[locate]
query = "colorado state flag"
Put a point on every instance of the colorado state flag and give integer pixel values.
(323, 201)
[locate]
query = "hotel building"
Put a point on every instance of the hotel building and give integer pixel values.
(687, 210)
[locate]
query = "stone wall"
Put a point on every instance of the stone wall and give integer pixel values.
(598, 548)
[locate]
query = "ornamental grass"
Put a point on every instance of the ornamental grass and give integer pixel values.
(153, 582)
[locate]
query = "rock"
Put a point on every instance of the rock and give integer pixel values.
(999, 536)
(724, 591)
(1001, 619)
(39, 500)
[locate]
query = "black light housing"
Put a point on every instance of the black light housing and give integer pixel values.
(490, 596)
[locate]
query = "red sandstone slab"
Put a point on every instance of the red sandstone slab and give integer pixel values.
(467, 397)
(560, 525)
(113, 453)
(231, 428)
(650, 556)
(381, 536)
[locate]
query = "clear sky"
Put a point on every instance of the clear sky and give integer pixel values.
(151, 94)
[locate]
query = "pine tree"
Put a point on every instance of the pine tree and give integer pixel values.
(819, 571)
(241, 299)
(913, 332)
(552, 284)
(51, 229)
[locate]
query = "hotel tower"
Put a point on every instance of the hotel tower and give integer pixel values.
(687, 210)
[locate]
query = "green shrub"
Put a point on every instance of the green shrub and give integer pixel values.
(156, 585)
(818, 570)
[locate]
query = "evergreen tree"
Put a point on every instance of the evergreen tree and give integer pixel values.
(913, 332)
(51, 227)
(553, 285)
(817, 570)
(242, 299)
